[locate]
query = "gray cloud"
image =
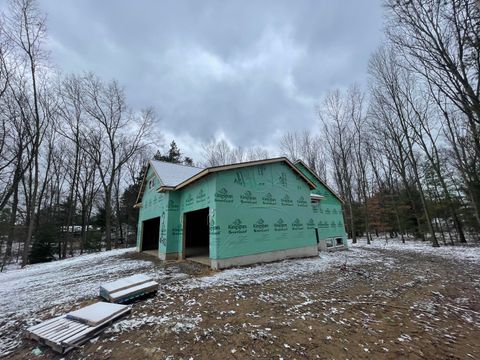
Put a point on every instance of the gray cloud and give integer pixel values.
(247, 69)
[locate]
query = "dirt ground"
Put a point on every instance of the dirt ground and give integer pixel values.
(408, 305)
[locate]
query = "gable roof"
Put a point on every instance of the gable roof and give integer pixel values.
(320, 180)
(169, 174)
(214, 169)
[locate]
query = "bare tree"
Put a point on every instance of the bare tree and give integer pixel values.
(113, 137)
(338, 135)
(357, 116)
(398, 112)
(440, 41)
(306, 147)
(219, 152)
(25, 28)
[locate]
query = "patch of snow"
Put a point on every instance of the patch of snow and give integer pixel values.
(177, 323)
(404, 337)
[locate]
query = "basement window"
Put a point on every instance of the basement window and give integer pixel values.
(338, 241)
(329, 243)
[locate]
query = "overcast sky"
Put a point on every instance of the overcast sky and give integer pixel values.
(245, 70)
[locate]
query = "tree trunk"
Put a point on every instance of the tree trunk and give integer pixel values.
(108, 220)
(352, 227)
(11, 230)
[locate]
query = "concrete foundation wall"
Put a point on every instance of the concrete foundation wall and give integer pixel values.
(322, 246)
(307, 251)
(168, 256)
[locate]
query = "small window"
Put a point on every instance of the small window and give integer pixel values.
(151, 184)
(339, 241)
(329, 242)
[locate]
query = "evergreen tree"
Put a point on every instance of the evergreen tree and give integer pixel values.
(173, 155)
(128, 214)
(41, 250)
(188, 161)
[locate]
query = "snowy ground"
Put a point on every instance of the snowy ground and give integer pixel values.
(270, 310)
(26, 292)
(469, 253)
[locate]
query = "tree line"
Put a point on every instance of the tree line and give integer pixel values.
(404, 153)
(69, 145)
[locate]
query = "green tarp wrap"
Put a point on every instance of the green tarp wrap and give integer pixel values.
(252, 210)
(262, 208)
(328, 214)
(153, 204)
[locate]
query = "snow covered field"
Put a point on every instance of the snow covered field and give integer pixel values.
(58, 285)
(25, 292)
(469, 253)
(46, 290)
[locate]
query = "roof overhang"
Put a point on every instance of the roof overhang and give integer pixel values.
(166, 188)
(142, 184)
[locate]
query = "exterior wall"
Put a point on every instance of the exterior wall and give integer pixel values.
(257, 213)
(171, 227)
(171, 206)
(261, 209)
(328, 213)
(153, 204)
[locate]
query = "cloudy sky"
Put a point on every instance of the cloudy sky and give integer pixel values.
(244, 70)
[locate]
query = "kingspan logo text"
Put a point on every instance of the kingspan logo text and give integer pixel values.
(237, 227)
(268, 199)
(248, 198)
(223, 195)
(280, 225)
(260, 226)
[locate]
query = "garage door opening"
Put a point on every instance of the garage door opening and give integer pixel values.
(150, 235)
(196, 236)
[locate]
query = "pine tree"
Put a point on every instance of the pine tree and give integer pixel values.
(188, 161)
(41, 250)
(173, 155)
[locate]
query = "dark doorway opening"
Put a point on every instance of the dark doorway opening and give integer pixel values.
(196, 234)
(150, 234)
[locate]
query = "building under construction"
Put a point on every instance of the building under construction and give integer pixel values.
(238, 214)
